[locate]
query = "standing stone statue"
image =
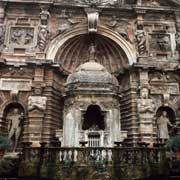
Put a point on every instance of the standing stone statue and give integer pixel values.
(146, 108)
(162, 123)
(92, 52)
(145, 104)
(15, 126)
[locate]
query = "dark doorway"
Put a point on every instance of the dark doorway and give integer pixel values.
(93, 118)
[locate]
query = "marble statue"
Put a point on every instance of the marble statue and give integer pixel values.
(162, 123)
(15, 126)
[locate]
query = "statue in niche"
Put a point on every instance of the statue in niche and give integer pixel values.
(162, 124)
(43, 38)
(15, 119)
(141, 42)
(92, 51)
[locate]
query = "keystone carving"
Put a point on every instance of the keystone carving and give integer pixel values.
(93, 18)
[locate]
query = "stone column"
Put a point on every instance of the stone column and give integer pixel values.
(36, 108)
(36, 114)
(133, 127)
(2, 28)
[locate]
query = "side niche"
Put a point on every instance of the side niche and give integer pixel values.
(14, 116)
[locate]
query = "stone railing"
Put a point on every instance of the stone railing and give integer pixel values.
(130, 155)
(67, 162)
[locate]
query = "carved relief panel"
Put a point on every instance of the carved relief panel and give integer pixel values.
(159, 43)
(160, 35)
(21, 34)
(162, 83)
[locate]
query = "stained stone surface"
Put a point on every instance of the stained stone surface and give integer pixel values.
(46, 67)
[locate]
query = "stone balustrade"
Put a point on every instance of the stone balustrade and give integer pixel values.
(130, 155)
(68, 162)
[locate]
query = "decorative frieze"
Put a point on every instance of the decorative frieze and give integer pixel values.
(170, 88)
(11, 84)
(96, 2)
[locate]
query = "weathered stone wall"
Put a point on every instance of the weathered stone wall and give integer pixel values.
(42, 43)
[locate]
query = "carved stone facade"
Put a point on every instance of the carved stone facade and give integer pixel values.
(45, 49)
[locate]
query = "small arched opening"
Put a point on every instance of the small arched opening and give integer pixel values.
(14, 115)
(93, 118)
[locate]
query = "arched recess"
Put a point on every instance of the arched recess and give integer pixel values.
(93, 118)
(14, 118)
(110, 44)
(170, 113)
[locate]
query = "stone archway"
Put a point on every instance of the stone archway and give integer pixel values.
(70, 49)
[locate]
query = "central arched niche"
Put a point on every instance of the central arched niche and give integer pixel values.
(76, 50)
(93, 118)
